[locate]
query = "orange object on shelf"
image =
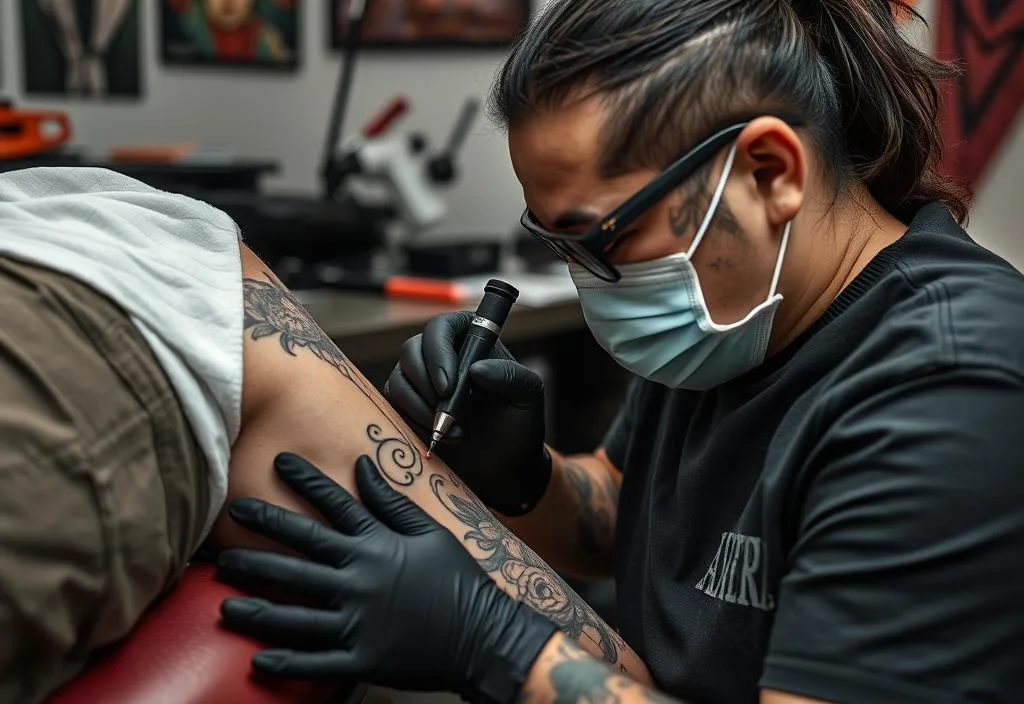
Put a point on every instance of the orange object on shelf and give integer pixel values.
(152, 153)
(425, 289)
(29, 132)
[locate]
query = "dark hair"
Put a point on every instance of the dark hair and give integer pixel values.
(670, 71)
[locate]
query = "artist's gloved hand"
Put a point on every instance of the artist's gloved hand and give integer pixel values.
(399, 601)
(497, 444)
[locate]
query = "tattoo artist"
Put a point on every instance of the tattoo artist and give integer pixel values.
(822, 496)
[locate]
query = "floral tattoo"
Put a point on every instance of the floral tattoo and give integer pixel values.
(272, 310)
(536, 584)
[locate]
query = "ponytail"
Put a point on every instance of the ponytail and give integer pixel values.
(889, 96)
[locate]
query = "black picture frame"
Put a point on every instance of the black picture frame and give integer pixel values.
(116, 73)
(184, 39)
(374, 38)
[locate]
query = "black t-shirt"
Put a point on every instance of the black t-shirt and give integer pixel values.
(846, 521)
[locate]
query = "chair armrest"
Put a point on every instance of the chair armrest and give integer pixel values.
(180, 653)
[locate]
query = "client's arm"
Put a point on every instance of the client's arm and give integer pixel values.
(302, 395)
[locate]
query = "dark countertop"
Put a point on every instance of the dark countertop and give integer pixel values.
(215, 166)
(197, 177)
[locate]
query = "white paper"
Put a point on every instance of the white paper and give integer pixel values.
(535, 290)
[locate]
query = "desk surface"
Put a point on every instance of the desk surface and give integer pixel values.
(370, 327)
(183, 176)
(198, 166)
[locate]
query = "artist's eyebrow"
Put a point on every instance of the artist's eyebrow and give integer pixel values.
(575, 217)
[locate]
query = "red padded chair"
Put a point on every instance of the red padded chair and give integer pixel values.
(179, 654)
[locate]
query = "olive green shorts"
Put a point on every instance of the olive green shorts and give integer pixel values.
(103, 489)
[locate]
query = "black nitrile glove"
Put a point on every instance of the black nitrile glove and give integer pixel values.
(402, 604)
(497, 444)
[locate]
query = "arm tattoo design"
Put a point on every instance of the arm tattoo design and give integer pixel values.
(536, 583)
(587, 680)
(597, 506)
(272, 310)
(576, 678)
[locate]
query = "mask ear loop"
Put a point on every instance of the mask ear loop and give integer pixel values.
(715, 200)
(778, 264)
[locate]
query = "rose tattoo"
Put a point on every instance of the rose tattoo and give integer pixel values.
(535, 583)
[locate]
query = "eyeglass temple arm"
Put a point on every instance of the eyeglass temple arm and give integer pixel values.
(677, 172)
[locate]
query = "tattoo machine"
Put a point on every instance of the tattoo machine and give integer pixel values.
(483, 333)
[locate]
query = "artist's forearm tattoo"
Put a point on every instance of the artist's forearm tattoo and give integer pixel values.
(597, 501)
(576, 678)
(536, 584)
(271, 310)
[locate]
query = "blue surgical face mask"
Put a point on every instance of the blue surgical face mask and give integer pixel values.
(655, 322)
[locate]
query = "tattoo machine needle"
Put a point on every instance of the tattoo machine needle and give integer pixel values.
(483, 332)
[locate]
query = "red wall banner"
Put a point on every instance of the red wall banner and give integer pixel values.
(987, 37)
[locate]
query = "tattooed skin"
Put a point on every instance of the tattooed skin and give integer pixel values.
(272, 310)
(573, 677)
(689, 207)
(598, 501)
(537, 585)
(574, 680)
(686, 212)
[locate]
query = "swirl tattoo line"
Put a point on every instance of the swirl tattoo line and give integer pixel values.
(395, 454)
(271, 310)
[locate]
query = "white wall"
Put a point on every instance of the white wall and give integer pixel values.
(283, 117)
(997, 220)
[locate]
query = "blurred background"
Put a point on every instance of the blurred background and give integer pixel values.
(365, 171)
(282, 116)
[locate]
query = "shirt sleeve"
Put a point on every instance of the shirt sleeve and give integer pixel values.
(616, 440)
(906, 579)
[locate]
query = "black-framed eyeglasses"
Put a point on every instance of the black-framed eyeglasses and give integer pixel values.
(589, 248)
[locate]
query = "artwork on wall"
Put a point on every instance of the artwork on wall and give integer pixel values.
(439, 23)
(81, 48)
(982, 107)
(260, 34)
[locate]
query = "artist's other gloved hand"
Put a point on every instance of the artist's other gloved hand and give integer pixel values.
(497, 444)
(401, 603)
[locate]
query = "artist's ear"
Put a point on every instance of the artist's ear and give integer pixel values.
(772, 156)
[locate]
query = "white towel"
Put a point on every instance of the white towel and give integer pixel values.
(171, 262)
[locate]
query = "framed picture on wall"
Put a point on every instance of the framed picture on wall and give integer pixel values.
(81, 48)
(400, 24)
(255, 34)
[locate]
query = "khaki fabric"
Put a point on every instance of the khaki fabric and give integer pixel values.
(103, 489)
